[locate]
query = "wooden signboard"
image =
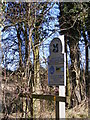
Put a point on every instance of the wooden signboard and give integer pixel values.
(56, 63)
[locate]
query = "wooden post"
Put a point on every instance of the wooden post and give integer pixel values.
(57, 110)
(57, 106)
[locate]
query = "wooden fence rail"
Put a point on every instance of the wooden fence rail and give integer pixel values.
(45, 97)
(49, 97)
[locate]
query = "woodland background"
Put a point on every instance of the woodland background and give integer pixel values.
(26, 30)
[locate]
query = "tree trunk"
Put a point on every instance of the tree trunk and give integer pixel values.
(26, 44)
(20, 49)
(36, 69)
(36, 77)
(75, 73)
(68, 91)
(86, 55)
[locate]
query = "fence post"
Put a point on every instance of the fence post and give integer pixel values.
(57, 110)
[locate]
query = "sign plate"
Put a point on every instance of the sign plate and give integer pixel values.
(56, 75)
(56, 59)
(55, 71)
(56, 63)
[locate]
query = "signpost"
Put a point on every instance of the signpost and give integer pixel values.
(57, 70)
